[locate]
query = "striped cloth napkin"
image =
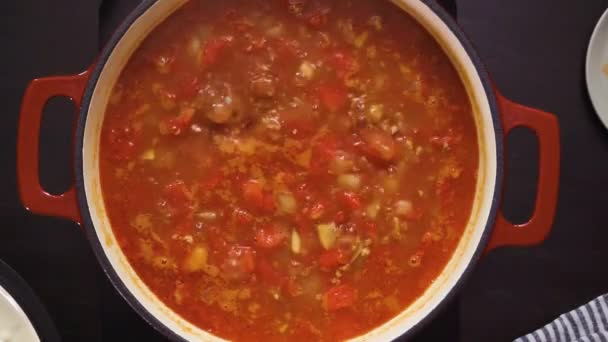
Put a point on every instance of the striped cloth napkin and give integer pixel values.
(589, 323)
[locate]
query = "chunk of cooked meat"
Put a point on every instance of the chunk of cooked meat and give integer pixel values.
(263, 86)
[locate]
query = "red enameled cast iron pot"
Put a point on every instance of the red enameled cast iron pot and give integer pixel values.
(487, 229)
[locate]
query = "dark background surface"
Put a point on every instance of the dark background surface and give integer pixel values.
(535, 52)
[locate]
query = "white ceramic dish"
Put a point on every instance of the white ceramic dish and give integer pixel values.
(596, 68)
(14, 324)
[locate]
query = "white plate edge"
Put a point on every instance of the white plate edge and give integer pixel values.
(588, 68)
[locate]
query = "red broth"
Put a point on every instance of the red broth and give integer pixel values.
(291, 169)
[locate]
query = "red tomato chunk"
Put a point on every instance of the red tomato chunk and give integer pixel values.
(340, 297)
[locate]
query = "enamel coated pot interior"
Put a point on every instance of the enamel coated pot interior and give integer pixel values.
(495, 116)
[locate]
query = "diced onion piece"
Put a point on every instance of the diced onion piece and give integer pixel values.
(307, 70)
(399, 229)
(165, 160)
(275, 31)
(303, 159)
(405, 70)
(142, 223)
(375, 22)
(396, 224)
(327, 234)
(379, 81)
(271, 122)
(211, 270)
(167, 100)
(207, 215)
(148, 154)
(371, 52)
(220, 113)
(246, 146)
(341, 163)
(375, 113)
(287, 203)
(197, 260)
(349, 181)
(194, 48)
(146, 251)
(296, 242)
(360, 40)
(373, 209)
(392, 303)
(391, 185)
(404, 208)
(163, 63)
(196, 128)
(178, 294)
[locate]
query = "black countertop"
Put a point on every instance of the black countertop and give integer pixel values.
(535, 52)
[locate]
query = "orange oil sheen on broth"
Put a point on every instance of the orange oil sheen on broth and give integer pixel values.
(288, 170)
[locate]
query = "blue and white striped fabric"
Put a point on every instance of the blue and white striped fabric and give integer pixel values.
(589, 323)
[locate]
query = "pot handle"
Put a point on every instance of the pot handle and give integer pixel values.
(37, 94)
(546, 128)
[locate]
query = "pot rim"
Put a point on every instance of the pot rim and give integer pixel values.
(134, 302)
